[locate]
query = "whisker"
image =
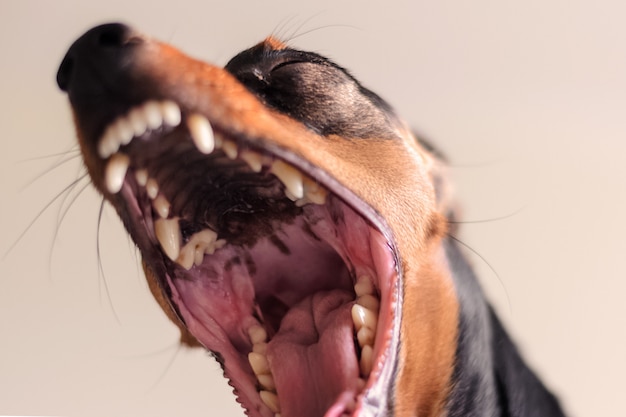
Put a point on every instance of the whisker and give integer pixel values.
(101, 274)
(297, 29)
(281, 27)
(166, 369)
(80, 175)
(157, 352)
(493, 270)
(74, 149)
(63, 213)
(494, 219)
(41, 212)
(54, 166)
(306, 32)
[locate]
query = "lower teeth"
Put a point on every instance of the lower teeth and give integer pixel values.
(365, 319)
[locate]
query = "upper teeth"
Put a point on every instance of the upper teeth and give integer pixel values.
(150, 115)
(153, 115)
(291, 177)
(201, 133)
(253, 159)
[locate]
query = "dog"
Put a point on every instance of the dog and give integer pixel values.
(290, 223)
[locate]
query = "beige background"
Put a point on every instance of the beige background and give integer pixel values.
(528, 99)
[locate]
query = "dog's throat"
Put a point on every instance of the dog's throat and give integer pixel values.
(315, 352)
(316, 340)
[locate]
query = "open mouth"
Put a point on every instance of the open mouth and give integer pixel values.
(293, 289)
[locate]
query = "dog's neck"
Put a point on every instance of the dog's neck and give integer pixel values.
(490, 377)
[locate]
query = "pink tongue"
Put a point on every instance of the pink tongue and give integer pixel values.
(312, 356)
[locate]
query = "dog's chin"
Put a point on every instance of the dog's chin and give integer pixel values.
(264, 261)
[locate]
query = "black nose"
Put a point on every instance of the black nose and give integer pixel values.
(96, 55)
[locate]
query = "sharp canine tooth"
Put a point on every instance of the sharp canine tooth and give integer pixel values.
(367, 357)
(368, 301)
(201, 133)
(361, 316)
(259, 363)
(109, 143)
(230, 149)
(267, 381)
(257, 334)
(365, 336)
(137, 119)
(168, 234)
(141, 175)
(271, 400)
(152, 114)
(290, 176)
(152, 188)
(363, 286)
(171, 113)
(116, 172)
(161, 205)
(253, 160)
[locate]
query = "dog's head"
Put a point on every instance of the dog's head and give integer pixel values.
(288, 221)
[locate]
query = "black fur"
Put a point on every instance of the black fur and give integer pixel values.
(315, 91)
(490, 377)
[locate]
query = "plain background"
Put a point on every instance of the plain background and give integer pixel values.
(527, 99)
